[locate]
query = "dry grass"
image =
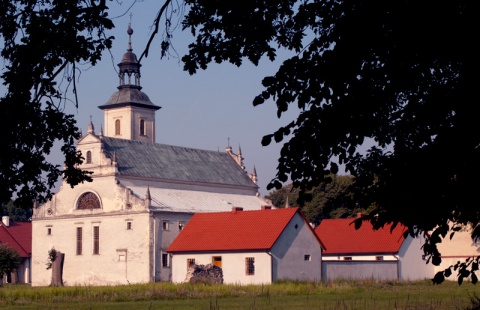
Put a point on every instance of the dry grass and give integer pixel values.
(282, 295)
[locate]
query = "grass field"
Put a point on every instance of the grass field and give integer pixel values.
(285, 295)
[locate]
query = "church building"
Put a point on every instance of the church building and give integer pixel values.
(116, 229)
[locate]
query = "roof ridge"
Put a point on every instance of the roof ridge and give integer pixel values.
(161, 144)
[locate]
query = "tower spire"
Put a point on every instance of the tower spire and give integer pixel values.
(129, 32)
(90, 128)
(129, 66)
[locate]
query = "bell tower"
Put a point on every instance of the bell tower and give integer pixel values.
(129, 113)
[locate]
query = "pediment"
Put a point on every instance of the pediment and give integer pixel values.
(88, 138)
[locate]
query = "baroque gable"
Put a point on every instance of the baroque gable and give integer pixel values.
(102, 197)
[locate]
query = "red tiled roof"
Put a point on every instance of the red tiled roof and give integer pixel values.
(339, 236)
(229, 231)
(17, 235)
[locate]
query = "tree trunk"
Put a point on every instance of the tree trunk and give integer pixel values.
(57, 270)
(14, 276)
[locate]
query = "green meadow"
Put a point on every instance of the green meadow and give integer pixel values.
(283, 295)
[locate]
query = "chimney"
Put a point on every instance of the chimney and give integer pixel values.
(266, 207)
(6, 220)
(236, 209)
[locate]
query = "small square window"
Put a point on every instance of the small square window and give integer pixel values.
(378, 257)
(49, 231)
(181, 225)
(129, 225)
(165, 225)
(122, 255)
(307, 258)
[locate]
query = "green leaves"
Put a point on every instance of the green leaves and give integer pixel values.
(332, 199)
(9, 259)
(388, 100)
(464, 270)
(43, 41)
(438, 278)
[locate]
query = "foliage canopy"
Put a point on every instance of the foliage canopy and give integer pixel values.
(331, 199)
(43, 41)
(396, 77)
(15, 213)
(9, 259)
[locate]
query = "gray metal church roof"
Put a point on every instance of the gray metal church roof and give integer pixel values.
(129, 95)
(167, 162)
(181, 200)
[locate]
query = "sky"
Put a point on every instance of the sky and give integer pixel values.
(209, 110)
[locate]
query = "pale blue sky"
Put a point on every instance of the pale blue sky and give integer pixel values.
(199, 111)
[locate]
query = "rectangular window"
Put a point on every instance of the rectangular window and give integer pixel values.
(142, 127)
(307, 258)
(165, 225)
(181, 225)
(49, 231)
(164, 259)
(347, 258)
(379, 258)
(96, 239)
(129, 225)
(79, 240)
(190, 262)
(122, 255)
(249, 266)
(217, 261)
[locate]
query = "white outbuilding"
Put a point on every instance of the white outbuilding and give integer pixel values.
(251, 247)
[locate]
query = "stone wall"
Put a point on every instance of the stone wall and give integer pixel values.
(207, 274)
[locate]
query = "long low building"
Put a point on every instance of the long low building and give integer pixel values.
(365, 253)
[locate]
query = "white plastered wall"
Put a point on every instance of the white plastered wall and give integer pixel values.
(459, 248)
(130, 117)
(290, 250)
(125, 255)
(233, 267)
(412, 266)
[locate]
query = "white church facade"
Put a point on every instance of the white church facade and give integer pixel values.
(116, 229)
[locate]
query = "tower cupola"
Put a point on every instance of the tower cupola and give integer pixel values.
(129, 113)
(129, 67)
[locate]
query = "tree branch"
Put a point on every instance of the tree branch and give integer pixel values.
(157, 22)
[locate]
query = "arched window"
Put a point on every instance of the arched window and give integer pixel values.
(88, 201)
(117, 127)
(142, 127)
(89, 157)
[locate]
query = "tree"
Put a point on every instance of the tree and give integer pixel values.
(9, 260)
(16, 214)
(55, 262)
(398, 76)
(331, 199)
(43, 41)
